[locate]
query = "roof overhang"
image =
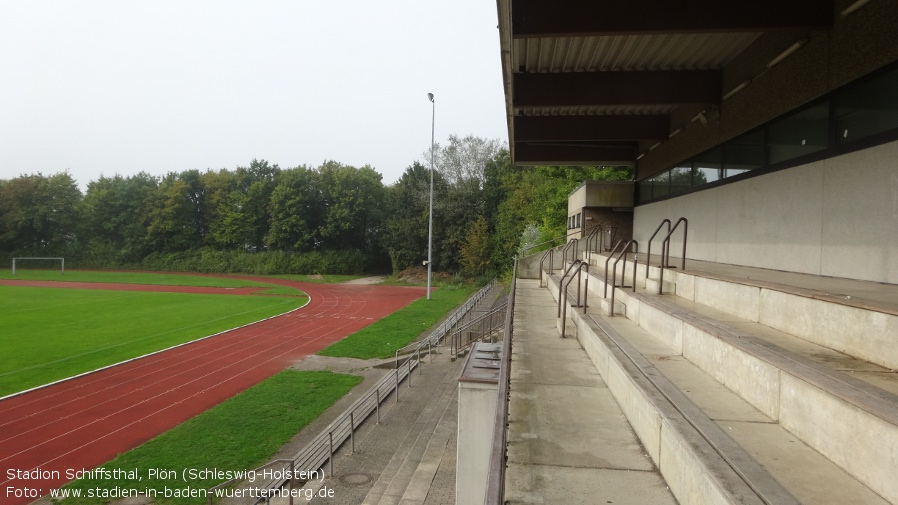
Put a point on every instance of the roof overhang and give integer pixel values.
(588, 82)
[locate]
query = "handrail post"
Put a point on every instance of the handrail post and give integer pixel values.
(610, 255)
(648, 252)
(623, 254)
(665, 251)
(330, 437)
(586, 289)
(561, 282)
(292, 475)
(352, 431)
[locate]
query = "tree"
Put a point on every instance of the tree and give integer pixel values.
(172, 218)
(475, 252)
(406, 227)
(296, 211)
(114, 218)
(38, 214)
(353, 201)
(245, 211)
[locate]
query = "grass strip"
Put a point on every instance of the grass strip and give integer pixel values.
(49, 334)
(383, 338)
(240, 434)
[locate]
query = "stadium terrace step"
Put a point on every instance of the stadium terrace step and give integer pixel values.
(568, 441)
(421, 447)
(794, 383)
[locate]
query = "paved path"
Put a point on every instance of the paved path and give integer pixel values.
(568, 440)
(87, 421)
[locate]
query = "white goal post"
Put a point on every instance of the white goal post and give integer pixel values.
(61, 262)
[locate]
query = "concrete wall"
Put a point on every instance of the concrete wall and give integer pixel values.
(476, 418)
(836, 217)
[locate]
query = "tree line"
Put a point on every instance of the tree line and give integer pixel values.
(263, 219)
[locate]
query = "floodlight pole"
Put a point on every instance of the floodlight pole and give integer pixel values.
(430, 214)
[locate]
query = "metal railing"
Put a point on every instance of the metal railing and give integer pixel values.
(564, 275)
(572, 244)
(648, 252)
(665, 251)
(623, 276)
(548, 254)
(487, 324)
(607, 260)
(321, 449)
(596, 239)
(495, 491)
(436, 337)
(524, 251)
(563, 293)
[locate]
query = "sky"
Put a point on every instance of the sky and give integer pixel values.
(101, 88)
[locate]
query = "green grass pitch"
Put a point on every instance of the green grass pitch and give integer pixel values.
(48, 334)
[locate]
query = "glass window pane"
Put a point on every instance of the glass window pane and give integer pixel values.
(661, 187)
(645, 190)
(680, 178)
(868, 108)
(744, 153)
(706, 167)
(799, 134)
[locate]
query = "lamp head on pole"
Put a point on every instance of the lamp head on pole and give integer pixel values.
(430, 96)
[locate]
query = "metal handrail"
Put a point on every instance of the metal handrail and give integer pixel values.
(610, 255)
(623, 275)
(564, 292)
(665, 250)
(321, 449)
(551, 254)
(596, 237)
(524, 250)
(561, 281)
(487, 324)
(572, 243)
(648, 252)
(495, 491)
(436, 337)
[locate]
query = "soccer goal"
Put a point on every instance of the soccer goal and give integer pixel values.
(61, 262)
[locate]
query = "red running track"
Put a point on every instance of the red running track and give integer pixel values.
(87, 421)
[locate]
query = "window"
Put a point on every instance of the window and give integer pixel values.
(645, 190)
(744, 153)
(867, 109)
(799, 134)
(661, 186)
(680, 178)
(706, 167)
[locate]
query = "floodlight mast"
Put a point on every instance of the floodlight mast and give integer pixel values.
(430, 214)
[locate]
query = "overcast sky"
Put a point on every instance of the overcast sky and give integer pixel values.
(118, 87)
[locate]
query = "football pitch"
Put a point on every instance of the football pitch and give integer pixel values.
(48, 334)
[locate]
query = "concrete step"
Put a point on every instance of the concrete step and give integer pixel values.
(568, 441)
(418, 488)
(667, 287)
(394, 480)
(792, 382)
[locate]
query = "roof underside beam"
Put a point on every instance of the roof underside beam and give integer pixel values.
(588, 128)
(617, 88)
(567, 18)
(586, 153)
